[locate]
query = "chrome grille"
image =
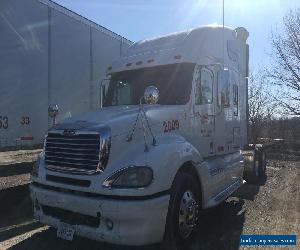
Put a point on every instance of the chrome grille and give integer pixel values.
(78, 153)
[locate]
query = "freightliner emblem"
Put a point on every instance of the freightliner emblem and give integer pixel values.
(69, 132)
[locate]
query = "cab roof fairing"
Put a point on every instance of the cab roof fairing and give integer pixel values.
(201, 45)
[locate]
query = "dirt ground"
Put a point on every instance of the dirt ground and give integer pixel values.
(273, 207)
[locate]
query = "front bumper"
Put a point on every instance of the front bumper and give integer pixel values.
(135, 222)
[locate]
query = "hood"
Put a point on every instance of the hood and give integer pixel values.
(119, 118)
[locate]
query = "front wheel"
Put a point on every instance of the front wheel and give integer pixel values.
(183, 214)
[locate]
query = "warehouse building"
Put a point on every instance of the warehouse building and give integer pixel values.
(49, 56)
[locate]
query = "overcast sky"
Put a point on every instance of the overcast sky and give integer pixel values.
(139, 19)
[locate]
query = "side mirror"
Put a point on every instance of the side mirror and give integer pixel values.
(223, 88)
(151, 95)
(53, 110)
(103, 89)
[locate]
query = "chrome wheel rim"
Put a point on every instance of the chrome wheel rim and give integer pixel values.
(188, 214)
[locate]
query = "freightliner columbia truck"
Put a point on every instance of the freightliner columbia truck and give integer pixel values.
(169, 140)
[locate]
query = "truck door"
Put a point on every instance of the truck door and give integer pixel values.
(203, 111)
(225, 125)
(222, 111)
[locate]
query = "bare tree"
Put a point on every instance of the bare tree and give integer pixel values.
(285, 71)
(262, 107)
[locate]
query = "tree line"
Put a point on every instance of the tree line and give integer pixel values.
(274, 93)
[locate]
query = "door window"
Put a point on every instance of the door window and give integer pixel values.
(204, 88)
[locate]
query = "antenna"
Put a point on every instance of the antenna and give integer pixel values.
(223, 42)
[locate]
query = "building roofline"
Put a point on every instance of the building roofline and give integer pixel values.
(83, 20)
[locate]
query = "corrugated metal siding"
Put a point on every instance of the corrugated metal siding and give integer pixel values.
(23, 71)
(49, 55)
(70, 66)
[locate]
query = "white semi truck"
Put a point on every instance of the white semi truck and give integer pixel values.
(169, 141)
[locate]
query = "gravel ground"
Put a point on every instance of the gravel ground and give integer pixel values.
(19, 156)
(15, 167)
(14, 181)
(270, 208)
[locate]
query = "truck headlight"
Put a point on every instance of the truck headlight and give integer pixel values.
(130, 177)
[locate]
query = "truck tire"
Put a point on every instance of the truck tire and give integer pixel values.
(182, 218)
(258, 171)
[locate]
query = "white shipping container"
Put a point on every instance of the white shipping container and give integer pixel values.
(48, 55)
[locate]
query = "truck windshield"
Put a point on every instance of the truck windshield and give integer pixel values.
(173, 81)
